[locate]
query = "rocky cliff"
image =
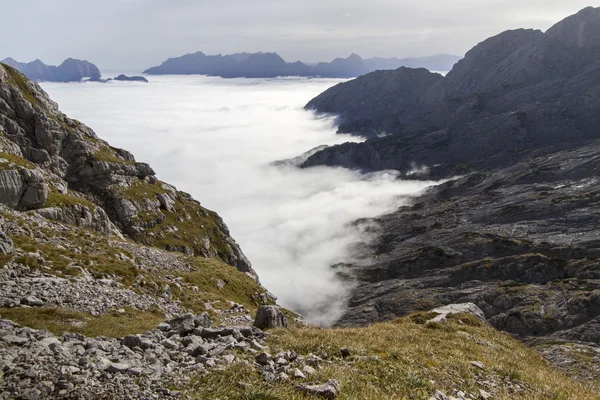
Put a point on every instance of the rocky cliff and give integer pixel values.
(71, 70)
(514, 229)
(508, 84)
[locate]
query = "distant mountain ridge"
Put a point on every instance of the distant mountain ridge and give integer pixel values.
(269, 65)
(71, 70)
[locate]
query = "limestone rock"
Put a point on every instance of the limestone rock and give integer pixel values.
(328, 390)
(466, 308)
(268, 317)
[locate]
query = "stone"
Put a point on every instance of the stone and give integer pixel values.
(263, 358)
(298, 374)
(438, 396)
(229, 358)
(484, 395)
(464, 308)
(14, 340)
(268, 317)
(477, 364)
(117, 368)
(203, 320)
(32, 301)
(308, 370)
(184, 324)
(132, 341)
(328, 390)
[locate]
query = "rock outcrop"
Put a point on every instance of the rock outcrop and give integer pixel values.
(71, 70)
(60, 167)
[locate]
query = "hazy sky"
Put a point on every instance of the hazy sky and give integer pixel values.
(135, 34)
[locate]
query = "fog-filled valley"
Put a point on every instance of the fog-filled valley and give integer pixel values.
(215, 139)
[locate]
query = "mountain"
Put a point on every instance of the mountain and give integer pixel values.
(126, 78)
(437, 62)
(513, 131)
(116, 285)
(269, 65)
(71, 70)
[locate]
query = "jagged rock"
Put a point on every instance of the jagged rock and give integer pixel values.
(328, 390)
(268, 317)
(184, 324)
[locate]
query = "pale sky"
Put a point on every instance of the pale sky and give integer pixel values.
(137, 34)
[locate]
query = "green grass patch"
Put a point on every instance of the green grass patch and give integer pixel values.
(62, 261)
(108, 154)
(21, 82)
(141, 190)
(16, 160)
(57, 199)
(59, 321)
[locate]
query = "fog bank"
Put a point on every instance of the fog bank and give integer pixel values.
(215, 139)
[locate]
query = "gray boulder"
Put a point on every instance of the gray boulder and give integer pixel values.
(268, 317)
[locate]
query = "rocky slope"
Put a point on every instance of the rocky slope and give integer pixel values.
(517, 231)
(71, 70)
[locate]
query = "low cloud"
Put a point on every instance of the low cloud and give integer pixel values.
(216, 139)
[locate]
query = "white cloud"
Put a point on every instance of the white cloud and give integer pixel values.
(215, 138)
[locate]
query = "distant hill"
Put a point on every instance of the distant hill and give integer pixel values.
(269, 65)
(438, 62)
(71, 70)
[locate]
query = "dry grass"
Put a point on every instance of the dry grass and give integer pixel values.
(412, 361)
(59, 321)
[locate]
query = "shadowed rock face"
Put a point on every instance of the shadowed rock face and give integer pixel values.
(517, 233)
(71, 70)
(522, 71)
(59, 167)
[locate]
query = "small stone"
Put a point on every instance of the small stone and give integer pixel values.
(477, 364)
(32, 301)
(308, 370)
(169, 344)
(263, 358)
(117, 368)
(164, 327)
(438, 396)
(484, 395)
(229, 358)
(298, 374)
(328, 390)
(14, 340)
